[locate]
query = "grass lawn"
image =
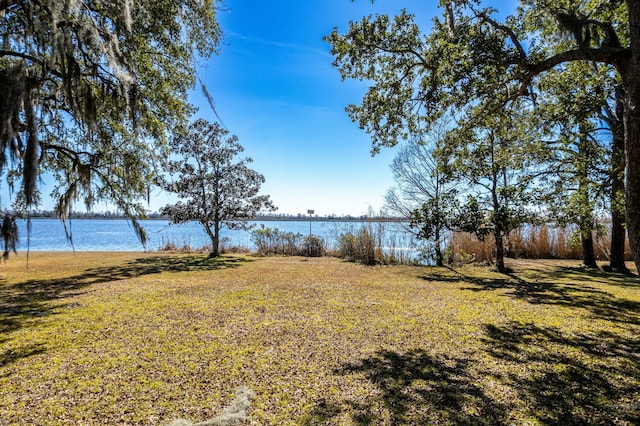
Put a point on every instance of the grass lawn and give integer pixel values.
(131, 338)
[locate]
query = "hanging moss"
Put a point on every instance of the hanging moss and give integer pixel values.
(9, 235)
(80, 96)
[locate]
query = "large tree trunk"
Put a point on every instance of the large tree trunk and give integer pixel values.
(632, 190)
(500, 252)
(630, 75)
(214, 236)
(216, 240)
(618, 239)
(438, 250)
(585, 219)
(588, 253)
(618, 231)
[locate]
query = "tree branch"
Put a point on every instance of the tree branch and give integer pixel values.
(412, 52)
(508, 31)
(612, 53)
(67, 152)
(616, 56)
(26, 56)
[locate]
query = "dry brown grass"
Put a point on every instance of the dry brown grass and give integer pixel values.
(126, 338)
(539, 242)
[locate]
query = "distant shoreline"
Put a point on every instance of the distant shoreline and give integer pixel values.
(300, 218)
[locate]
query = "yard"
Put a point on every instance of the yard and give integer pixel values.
(131, 338)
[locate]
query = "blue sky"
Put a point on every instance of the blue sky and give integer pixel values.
(275, 88)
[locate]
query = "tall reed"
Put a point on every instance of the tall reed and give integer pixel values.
(374, 243)
(531, 242)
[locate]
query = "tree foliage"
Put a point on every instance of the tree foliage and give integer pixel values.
(88, 90)
(570, 108)
(433, 218)
(215, 188)
(500, 164)
(471, 65)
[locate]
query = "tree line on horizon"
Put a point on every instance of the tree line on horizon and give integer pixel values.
(48, 214)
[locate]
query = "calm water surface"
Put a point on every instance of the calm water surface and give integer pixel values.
(118, 235)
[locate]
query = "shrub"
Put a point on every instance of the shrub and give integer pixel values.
(170, 245)
(313, 246)
(347, 246)
(270, 241)
(360, 247)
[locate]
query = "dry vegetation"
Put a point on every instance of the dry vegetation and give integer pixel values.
(540, 242)
(126, 338)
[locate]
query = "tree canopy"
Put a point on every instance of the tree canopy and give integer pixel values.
(214, 186)
(89, 89)
(472, 64)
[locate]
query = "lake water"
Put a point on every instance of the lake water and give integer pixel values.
(118, 235)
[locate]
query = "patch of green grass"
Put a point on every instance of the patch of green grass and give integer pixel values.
(125, 338)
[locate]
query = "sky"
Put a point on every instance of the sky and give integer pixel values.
(275, 88)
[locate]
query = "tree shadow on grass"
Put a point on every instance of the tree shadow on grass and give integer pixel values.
(24, 301)
(596, 276)
(415, 387)
(597, 302)
(11, 355)
(516, 373)
(158, 264)
(570, 379)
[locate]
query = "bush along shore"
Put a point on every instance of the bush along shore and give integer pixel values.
(371, 244)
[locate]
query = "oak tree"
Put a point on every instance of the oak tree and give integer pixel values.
(499, 163)
(89, 89)
(215, 188)
(578, 170)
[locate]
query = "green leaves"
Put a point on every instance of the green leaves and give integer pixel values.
(389, 53)
(108, 80)
(468, 65)
(434, 216)
(215, 187)
(512, 86)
